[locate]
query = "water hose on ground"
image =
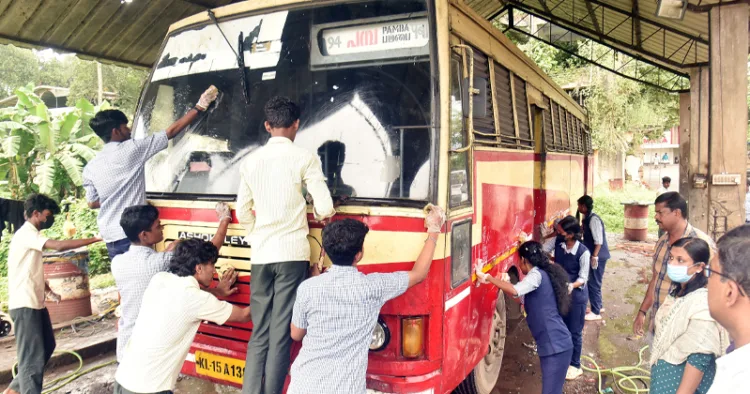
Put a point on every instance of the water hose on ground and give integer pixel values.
(626, 378)
(58, 383)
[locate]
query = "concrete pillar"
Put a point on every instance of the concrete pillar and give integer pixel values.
(684, 135)
(694, 164)
(728, 120)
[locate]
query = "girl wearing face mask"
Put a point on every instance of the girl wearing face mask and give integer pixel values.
(687, 340)
(575, 259)
(546, 298)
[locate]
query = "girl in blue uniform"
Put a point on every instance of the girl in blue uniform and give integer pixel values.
(575, 259)
(546, 298)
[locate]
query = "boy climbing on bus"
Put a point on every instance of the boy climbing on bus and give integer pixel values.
(336, 312)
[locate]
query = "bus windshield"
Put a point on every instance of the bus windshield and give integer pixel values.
(360, 73)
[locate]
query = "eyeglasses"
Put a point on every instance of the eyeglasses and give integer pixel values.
(710, 271)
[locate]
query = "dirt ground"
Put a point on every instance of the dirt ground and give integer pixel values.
(605, 341)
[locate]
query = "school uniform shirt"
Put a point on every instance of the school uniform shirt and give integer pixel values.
(173, 308)
(732, 372)
(133, 271)
(116, 178)
(545, 323)
(584, 261)
(271, 182)
(339, 310)
(25, 268)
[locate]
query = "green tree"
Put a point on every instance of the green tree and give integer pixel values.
(126, 82)
(18, 67)
(42, 153)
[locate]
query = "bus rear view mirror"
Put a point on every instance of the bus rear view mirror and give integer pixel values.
(480, 97)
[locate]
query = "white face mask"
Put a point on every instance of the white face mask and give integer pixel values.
(679, 273)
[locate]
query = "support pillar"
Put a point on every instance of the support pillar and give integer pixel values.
(728, 120)
(684, 134)
(694, 141)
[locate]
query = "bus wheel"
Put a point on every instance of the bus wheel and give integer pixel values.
(484, 376)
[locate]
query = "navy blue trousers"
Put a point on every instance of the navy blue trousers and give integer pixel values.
(554, 368)
(574, 321)
(117, 247)
(595, 287)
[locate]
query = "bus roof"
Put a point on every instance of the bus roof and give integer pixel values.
(237, 8)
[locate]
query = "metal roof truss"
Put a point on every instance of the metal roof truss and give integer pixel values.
(615, 60)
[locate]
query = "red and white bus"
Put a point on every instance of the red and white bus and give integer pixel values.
(406, 102)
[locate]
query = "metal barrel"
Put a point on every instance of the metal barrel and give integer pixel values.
(636, 222)
(67, 275)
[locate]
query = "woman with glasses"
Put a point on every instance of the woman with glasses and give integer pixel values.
(687, 339)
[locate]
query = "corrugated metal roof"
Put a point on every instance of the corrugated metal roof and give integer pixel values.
(627, 25)
(125, 33)
(131, 33)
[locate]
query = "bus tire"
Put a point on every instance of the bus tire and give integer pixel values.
(484, 376)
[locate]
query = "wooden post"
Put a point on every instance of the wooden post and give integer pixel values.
(728, 120)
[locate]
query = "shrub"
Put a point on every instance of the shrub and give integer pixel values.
(608, 205)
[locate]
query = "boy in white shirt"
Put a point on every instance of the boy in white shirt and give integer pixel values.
(35, 340)
(173, 307)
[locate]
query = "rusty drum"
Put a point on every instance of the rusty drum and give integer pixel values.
(636, 221)
(68, 276)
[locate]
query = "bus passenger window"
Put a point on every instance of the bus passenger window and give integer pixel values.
(459, 162)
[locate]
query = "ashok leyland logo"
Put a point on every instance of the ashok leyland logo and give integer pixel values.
(234, 240)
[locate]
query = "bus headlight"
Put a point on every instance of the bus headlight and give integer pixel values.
(380, 337)
(412, 334)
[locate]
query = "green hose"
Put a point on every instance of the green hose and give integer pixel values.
(624, 381)
(69, 377)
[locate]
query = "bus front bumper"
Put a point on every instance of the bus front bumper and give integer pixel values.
(423, 384)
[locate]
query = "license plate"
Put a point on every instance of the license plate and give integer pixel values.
(219, 367)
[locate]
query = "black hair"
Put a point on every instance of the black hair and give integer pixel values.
(39, 202)
(734, 247)
(699, 251)
(673, 201)
(570, 225)
(587, 202)
(281, 112)
(533, 252)
(105, 121)
(666, 179)
(189, 254)
(138, 218)
(343, 239)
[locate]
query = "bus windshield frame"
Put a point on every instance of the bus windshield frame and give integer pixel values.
(425, 132)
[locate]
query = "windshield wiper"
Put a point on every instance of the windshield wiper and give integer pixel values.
(240, 56)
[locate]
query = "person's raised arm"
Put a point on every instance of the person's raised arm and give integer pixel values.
(69, 243)
(434, 223)
(205, 101)
(225, 217)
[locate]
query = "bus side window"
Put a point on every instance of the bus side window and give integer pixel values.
(459, 162)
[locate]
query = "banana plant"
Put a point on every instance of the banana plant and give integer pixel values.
(45, 153)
